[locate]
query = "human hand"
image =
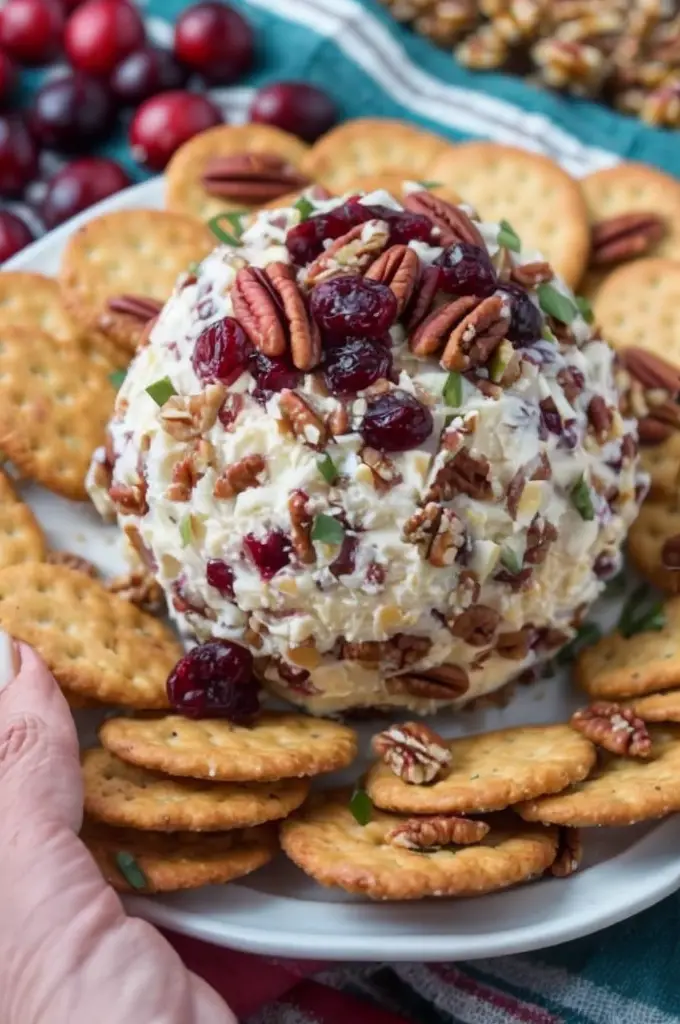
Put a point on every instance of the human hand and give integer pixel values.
(69, 954)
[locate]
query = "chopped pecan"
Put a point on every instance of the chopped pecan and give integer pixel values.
(600, 417)
(421, 527)
(670, 553)
(301, 527)
(186, 418)
(543, 470)
(447, 682)
(529, 275)
(139, 587)
(399, 269)
(396, 653)
(252, 178)
(515, 646)
(385, 473)
(130, 499)
(514, 492)
(477, 336)
(447, 541)
(462, 474)
(450, 222)
(337, 421)
(258, 312)
(145, 554)
(232, 407)
(571, 381)
(71, 561)
(188, 471)
(468, 590)
(434, 332)
(422, 298)
(413, 751)
(302, 330)
(540, 535)
(476, 626)
(302, 419)
(137, 306)
(615, 728)
(569, 852)
(247, 472)
(352, 253)
(624, 237)
(432, 833)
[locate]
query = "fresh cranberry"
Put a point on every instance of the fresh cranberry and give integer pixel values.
(220, 576)
(14, 235)
(215, 680)
(144, 73)
(72, 111)
(273, 373)
(270, 553)
(466, 270)
(101, 33)
(526, 322)
(18, 156)
(356, 365)
(31, 30)
(306, 241)
(79, 185)
(215, 40)
(344, 562)
(294, 107)
(353, 305)
(221, 352)
(396, 422)
(8, 77)
(164, 122)
(404, 226)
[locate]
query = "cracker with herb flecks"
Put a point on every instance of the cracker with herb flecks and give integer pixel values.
(639, 305)
(654, 543)
(21, 537)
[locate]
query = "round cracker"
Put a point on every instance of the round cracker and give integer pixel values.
(372, 146)
(541, 201)
(96, 645)
(394, 184)
(21, 538)
(657, 707)
(621, 791)
(55, 403)
(126, 796)
(662, 462)
(169, 862)
(324, 840)
(275, 746)
(129, 252)
(656, 523)
(184, 192)
(639, 304)
(490, 771)
(35, 301)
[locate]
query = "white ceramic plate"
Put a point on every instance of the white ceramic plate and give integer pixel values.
(278, 911)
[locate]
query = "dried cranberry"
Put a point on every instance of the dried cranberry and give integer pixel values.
(220, 576)
(270, 553)
(305, 241)
(214, 40)
(466, 270)
(356, 365)
(353, 305)
(526, 322)
(605, 566)
(221, 352)
(396, 422)
(404, 226)
(272, 373)
(215, 680)
(296, 107)
(344, 562)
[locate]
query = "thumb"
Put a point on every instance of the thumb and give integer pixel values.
(39, 764)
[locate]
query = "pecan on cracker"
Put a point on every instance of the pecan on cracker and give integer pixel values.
(352, 253)
(649, 388)
(302, 420)
(431, 833)
(245, 473)
(301, 527)
(140, 588)
(413, 751)
(137, 306)
(614, 728)
(257, 310)
(385, 474)
(303, 333)
(474, 340)
(251, 178)
(569, 852)
(185, 418)
(447, 682)
(451, 223)
(71, 561)
(399, 269)
(624, 237)
(476, 625)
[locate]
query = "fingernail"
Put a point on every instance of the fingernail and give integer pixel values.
(9, 660)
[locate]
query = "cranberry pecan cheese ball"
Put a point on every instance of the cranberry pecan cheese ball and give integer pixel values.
(380, 447)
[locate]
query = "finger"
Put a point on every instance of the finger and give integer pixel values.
(209, 1007)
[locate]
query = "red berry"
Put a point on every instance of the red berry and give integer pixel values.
(526, 322)
(216, 41)
(14, 235)
(295, 107)
(164, 122)
(221, 352)
(269, 553)
(220, 576)
(404, 226)
(8, 77)
(144, 73)
(466, 270)
(79, 185)
(215, 680)
(306, 240)
(31, 30)
(356, 365)
(353, 305)
(100, 33)
(71, 112)
(18, 156)
(272, 373)
(396, 422)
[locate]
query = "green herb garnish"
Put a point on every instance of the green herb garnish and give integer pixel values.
(304, 208)
(328, 469)
(193, 267)
(161, 390)
(186, 530)
(508, 237)
(361, 806)
(131, 871)
(581, 500)
(548, 335)
(500, 361)
(235, 221)
(117, 377)
(641, 620)
(453, 390)
(555, 303)
(584, 308)
(511, 560)
(327, 529)
(587, 634)
(430, 184)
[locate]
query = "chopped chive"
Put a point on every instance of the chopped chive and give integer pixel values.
(430, 184)
(453, 390)
(117, 377)
(548, 335)
(161, 390)
(584, 308)
(234, 220)
(186, 530)
(555, 303)
(500, 361)
(304, 208)
(193, 267)
(510, 559)
(587, 634)
(327, 529)
(131, 871)
(328, 469)
(581, 500)
(650, 619)
(361, 806)
(508, 237)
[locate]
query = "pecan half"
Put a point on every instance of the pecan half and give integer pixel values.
(352, 253)
(615, 728)
(532, 274)
(451, 223)
(600, 418)
(413, 751)
(385, 474)
(186, 418)
(462, 474)
(188, 471)
(569, 852)
(432, 833)
(301, 527)
(302, 419)
(71, 561)
(670, 553)
(303, 333)
(477, 337)
(251, 178)
(140, 588)
(399, 269)
(625, 236)
(138, 306)
(257, 311)
(515, 646)
(650, 370)
(422, 298)
(476, 625)
(244, 474)
(434, 332)
(447, 682)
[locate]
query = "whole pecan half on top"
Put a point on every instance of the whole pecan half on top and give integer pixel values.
(251, 177)
(600, 418)
(256, 308)
(434, 331)
(302, 419)
(569, 852)
(303, 333)
(447, 682)
(422, 298)
(450, 222)
(399, 269)
(474, 340)
(624, 237)
(414, 752)
(649, 388)
(617, 729)
(352, 253)
(137, 306)
(435, 831)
